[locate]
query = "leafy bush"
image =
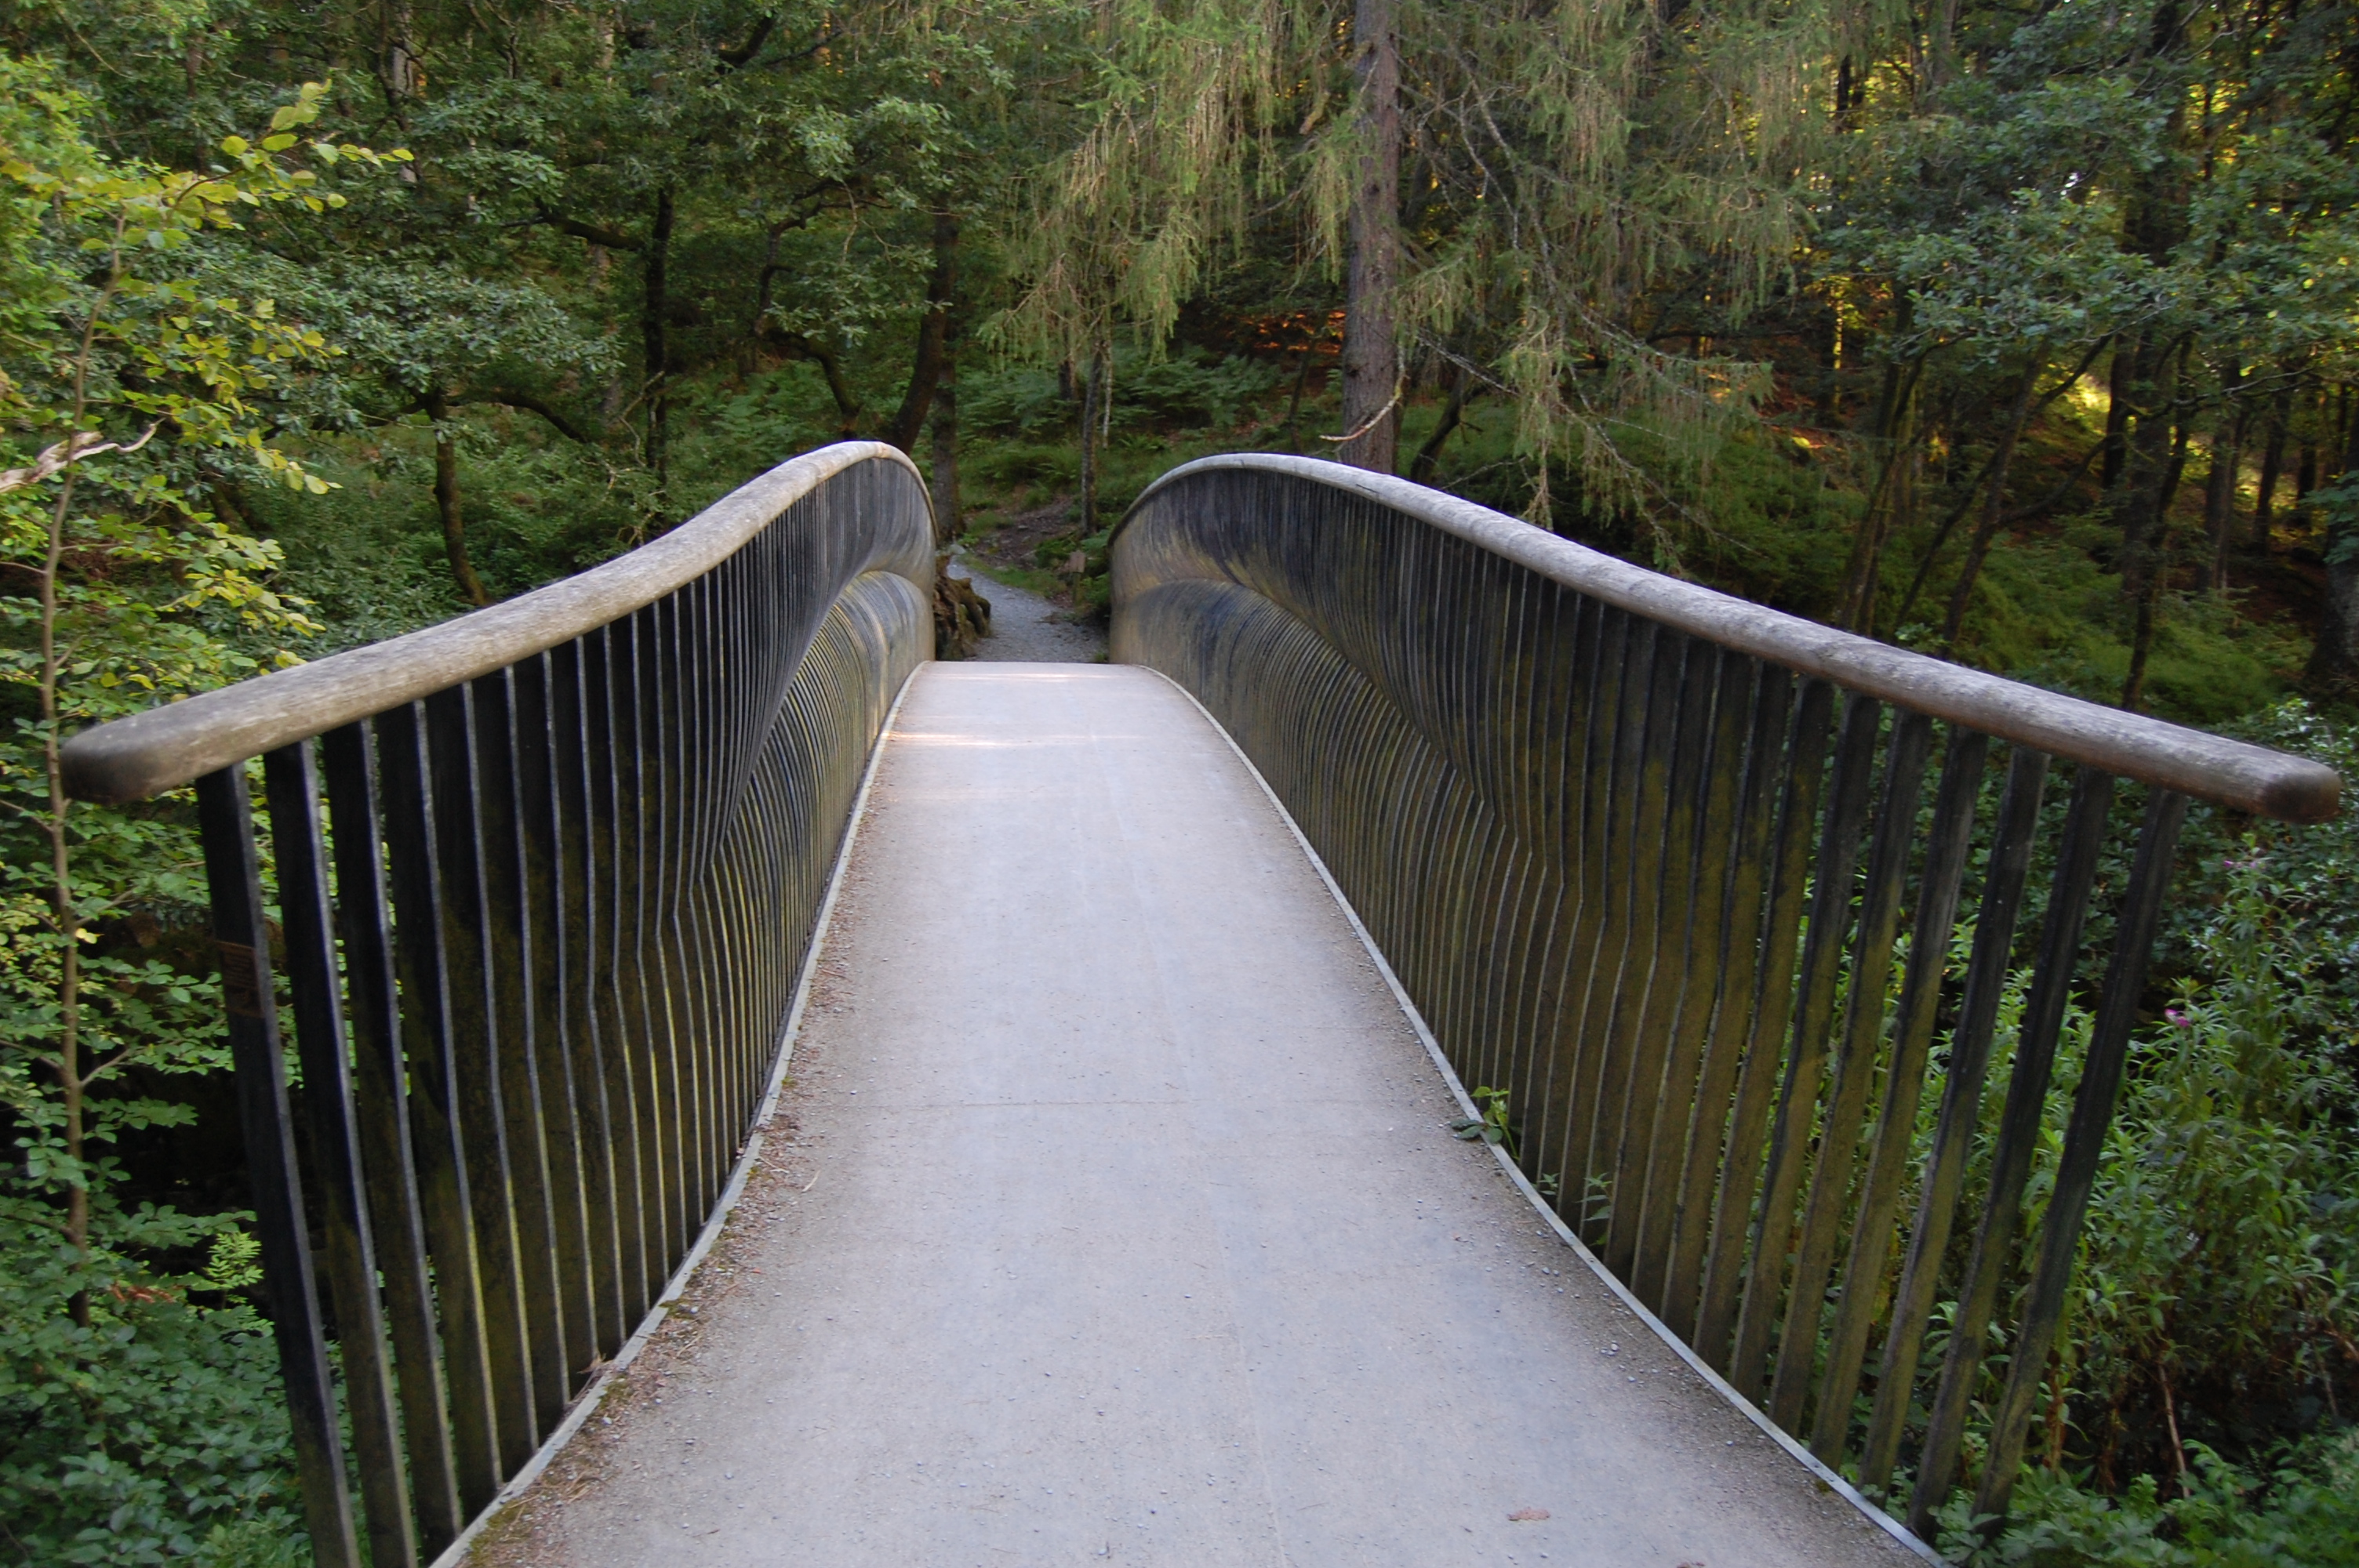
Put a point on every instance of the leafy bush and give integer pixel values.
(2224, 1231)
(157, 1431)
(2306, 1515)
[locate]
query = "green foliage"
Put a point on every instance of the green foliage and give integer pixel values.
(2303, 1515)
(1491, 1126)
(136, 1423)
(2222, 1240)
(155, 1433)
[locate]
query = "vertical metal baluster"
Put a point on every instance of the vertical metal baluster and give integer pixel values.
(706, 777)
(1622, 764)
(1642, 778)
(2084, 1143)
(428, 1046)
(1563, 1043)
(312, 981)
(1814, 1004)
(607, 1184)
(1685, 771)
(1604, 687)
(697, 771)
(1865, 1270)
(1854, 1067)
(1717, 772)
(2026, 1094)
(1748, 1126)
(650, 1012)
(673, 1076)
(1736, 961)
(726, 764)
(750, 726)
(545, 912)
(2004, 876)
(1507, 721)
(1436, 921)
(653, 1090)
(1478, 895)
(637, 1232)
(381, 1112)
(721, 770)
(242, 936)
(1459, 890)
(1552, 734)
(1486, 894)
(718, 767)
(511, 958)
(1515, 726)
(477, 1061)
(667, 690)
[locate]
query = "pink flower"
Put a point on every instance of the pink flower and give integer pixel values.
(2178, 1018)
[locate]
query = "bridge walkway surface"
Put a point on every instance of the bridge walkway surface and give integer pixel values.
(1113, 1214)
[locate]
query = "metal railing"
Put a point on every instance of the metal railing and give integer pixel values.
(539, 951)
(1678, 873)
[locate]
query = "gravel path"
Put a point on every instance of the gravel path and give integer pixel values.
(1023, 630)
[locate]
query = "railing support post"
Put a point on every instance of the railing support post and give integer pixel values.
(250, 998)
(2084, 1142)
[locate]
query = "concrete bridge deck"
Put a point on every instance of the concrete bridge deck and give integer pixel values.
(1113, 1216)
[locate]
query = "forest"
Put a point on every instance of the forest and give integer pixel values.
(2025, 332)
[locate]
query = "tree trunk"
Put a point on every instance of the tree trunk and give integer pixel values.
(1370, 355)
(2272, 466)
(398, 72)
(1985, 533)
(1420, 468)
(2145, 478)
(2148, 463)
(2334, 661)
(2150, 583)
(2119, 377)
(446, 500)
(946, 481)
(933, 333)
(1092, 397)
(1891, 501)
(655, 344)
(2219, 484)
(1941, 54)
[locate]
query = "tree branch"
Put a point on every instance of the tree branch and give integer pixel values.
(528, 403)
(742, 53)
(613, 240)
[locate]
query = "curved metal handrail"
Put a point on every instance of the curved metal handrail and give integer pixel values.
(2129, 745)
(546, 877)
(166, 747)
(1659, 866)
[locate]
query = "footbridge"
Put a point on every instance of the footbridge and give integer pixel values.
(1452, 1048)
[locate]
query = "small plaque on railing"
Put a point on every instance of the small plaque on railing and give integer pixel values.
(241, 971)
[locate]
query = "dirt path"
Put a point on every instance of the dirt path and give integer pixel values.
(1024, 627)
